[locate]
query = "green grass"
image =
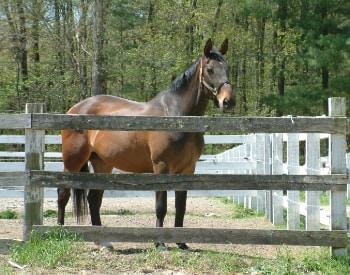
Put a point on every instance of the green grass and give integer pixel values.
(324, 198)
(196, 262)
(238, 211)
(54, 248)
(315, 261)
(8, 214)
(50, 213)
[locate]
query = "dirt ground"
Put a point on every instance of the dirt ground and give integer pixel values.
(201, 212)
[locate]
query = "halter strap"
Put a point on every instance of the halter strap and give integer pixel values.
(213, 90)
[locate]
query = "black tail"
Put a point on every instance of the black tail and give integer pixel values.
(80, 209)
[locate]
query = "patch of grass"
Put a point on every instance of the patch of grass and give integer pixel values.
(120, 212)
(56, 247)
(8, 214)
(239, 212)
(315, 261)
(50, 213)
(196, 262)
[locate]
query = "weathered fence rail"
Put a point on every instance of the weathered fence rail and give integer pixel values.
(336, 126)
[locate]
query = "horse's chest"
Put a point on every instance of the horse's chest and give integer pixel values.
(178, 150)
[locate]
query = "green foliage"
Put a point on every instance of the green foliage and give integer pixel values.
(57, 247)
(239, 212)
(311, 261)
(50, 213)
(8, 214)
(198, 262)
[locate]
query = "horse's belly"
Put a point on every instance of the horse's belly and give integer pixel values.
(127, 151)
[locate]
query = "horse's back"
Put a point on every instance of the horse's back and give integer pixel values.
(106, 105)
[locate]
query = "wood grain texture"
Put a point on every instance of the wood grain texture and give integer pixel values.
(34, 160)
(207, 235)
(150, 182)
(13, 179)
(337, 160)
(15, 121)
(192, 124)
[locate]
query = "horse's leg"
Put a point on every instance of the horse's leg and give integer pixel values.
(63, 198)
(161, 201)
(95, 196)
(75, 154)
(180, 206)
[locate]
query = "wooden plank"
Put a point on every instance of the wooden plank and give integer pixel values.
(277, 169)
(293, 216)
(225, 165)
(206, 235)
(337, 159)
(227, 139)
(33, 194)
(191, 124)
(179, 182)
(13, 179)
(312, 198)
(348, 168)
(20, 139)
(15, 121)
(260, 168)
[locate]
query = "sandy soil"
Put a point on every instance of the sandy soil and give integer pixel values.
(201, 212)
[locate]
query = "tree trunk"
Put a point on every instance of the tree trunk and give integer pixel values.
(99, 73)
(83, 47)
(190, 28)
(260, 61)
(216, 17)
(282, 16)
(151, 14)
(23, 54)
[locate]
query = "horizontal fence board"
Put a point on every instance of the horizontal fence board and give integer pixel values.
(150, 182)
(20, 139)
(225, 165)
(207, 235)
(15, 121)
(227, 139)
(12, 178)
(192, 124)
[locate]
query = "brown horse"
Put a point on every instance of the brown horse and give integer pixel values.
(147, 151)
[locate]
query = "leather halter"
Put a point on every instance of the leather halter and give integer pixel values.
(213, 90)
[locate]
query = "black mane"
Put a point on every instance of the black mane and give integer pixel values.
(183, 79)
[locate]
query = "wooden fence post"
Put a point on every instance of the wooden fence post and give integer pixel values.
(268, 171)
(34, 160)
(277, 169)
(337, 152)
(312, 198)
(348, 168)
(260, 168)
(293, 215)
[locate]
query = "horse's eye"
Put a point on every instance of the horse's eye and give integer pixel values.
(210, 70)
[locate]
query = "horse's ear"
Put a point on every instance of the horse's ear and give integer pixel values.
(224, 46)
(208, 47)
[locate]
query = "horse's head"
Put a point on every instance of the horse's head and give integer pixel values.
(214, 76)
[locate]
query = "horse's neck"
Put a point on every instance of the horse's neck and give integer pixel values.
(185, 101)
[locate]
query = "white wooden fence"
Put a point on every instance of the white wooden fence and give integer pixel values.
(255, 154)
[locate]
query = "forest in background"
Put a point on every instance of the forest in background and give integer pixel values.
(286, 56)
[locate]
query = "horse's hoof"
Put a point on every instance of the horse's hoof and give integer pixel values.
(182, 246)
(161, 247)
